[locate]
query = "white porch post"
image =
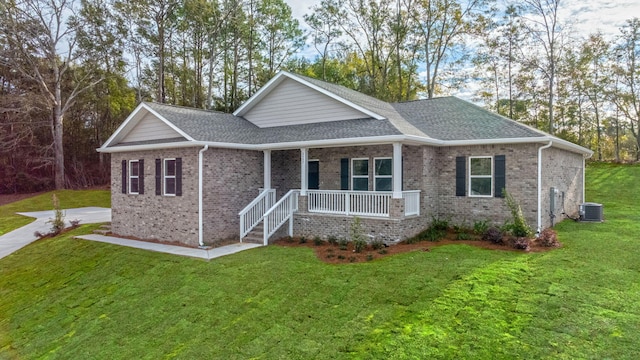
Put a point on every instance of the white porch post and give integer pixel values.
(304, 171)
(267, 170)
(397, 170)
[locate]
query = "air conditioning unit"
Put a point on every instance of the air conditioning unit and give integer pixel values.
(591, 212)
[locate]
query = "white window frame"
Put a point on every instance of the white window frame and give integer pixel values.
(131, 176)
(353, 176)
(165, 177)
(471, 176)
(376, 176)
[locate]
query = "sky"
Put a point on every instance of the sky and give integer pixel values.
(585, 17)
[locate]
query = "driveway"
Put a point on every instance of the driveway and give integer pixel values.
(24, 236)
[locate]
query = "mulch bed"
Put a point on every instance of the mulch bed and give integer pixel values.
(333, 254)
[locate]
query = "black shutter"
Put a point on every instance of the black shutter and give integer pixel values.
(178, 176)
(344, 174)
(141, 176)
(461, 176)
(158, 177)
(124, 176)
(499, 167)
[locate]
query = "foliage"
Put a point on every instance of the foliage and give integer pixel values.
(520, 243)
(343, 243)
(439, 224)
(493, 234)
(356, 234)
(463, 236)
(548, 238)
(317, 241)
(377, 244)
(57, 223)
(519, 226)
(303, 240)
(332, 239)
(480, 227)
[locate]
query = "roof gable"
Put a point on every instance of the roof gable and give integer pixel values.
(145, 125)
(292, 100)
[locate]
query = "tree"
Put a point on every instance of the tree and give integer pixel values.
(546, 31)
(627, 70)
(41, 46)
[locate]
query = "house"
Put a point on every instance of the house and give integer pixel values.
(305, 157)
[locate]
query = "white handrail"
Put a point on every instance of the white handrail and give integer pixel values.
(279, 213)
(253, 213)
(361, 203)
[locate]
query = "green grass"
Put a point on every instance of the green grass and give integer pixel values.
(68, 199)
(64, 298)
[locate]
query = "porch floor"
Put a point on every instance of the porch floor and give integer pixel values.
(207, 254)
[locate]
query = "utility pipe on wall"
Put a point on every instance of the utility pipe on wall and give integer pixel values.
(200, 204)
(539, 228)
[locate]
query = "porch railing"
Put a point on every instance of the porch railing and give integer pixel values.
(361, 203)
(280, 213)
(411, 202)
(253, 213)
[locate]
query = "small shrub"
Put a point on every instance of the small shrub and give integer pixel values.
(382, 251)
(57, 223)
(519, 227)
(352, 259)
(463, 236)
(369, 257)
(329, 256)
(521, 243)
(303, 240)
(377, 244)
(74, 222)
(341, 257)
(493, 234)
(548, 238)
(433, 234)
(332, 240)
(317, 241)
(39, 235)
(439, 224)
(480, 227)
(343, 244)
(359, 245)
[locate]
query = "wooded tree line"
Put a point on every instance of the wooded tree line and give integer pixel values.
(71, 71)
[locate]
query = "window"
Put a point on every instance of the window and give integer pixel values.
(382, 175)
(360, 174)
(170, 177)
(481, 176)
(134, 176)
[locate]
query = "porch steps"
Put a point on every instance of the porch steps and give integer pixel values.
(256, 236)
(103, 230)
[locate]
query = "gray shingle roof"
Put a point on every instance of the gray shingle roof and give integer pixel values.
(450, 118)
(444, 119)
(213, 126)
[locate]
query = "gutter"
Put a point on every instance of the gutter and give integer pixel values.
(539, 227)
(200, 202)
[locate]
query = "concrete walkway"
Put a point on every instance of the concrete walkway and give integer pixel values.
(172, 249)
(24, 236)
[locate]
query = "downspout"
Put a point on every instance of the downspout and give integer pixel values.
(200, 202)
(539, 228)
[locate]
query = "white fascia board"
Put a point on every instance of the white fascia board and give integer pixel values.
(132, 120)
(266, 89)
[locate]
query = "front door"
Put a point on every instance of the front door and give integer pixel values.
(314, 175)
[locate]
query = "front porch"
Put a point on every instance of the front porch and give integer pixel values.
(371, 181)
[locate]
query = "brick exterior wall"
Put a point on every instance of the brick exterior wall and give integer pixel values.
(521, 181)
(151, 216)
(232, 179)
(564, 171)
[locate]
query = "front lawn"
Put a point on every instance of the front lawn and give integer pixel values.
(68, 199)
(65, 298)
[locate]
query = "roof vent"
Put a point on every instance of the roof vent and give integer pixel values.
(591, 212)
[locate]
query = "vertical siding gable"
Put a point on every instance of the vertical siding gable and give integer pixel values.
(292, 103)
(150, 128)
